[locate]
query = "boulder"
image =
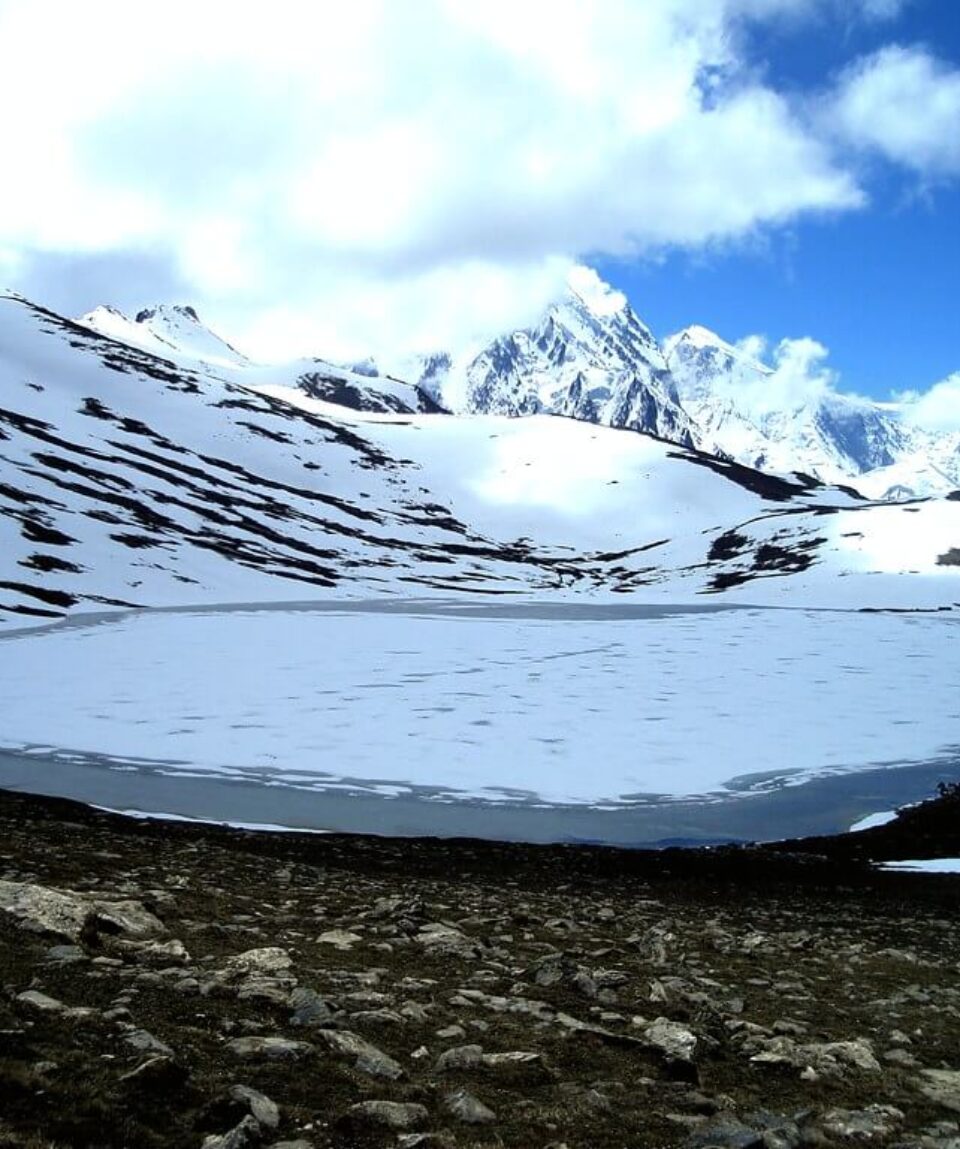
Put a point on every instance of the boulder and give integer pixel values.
(365, 1057)
(67, 915)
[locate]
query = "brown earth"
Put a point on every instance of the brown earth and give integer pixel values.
(169, 984)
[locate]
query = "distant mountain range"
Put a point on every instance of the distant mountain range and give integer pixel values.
(590, 357)
(146, 462)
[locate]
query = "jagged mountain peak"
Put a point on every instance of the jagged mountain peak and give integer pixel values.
(588, 357)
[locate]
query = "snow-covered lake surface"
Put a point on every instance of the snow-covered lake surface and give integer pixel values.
(605, 708)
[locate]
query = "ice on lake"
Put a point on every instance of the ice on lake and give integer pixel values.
(550, 705)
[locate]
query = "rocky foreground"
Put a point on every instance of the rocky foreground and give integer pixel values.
(166, 984)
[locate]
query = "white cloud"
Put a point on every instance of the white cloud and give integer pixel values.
(798, 375)
(367, 175)
(937, 409)
(905, 104)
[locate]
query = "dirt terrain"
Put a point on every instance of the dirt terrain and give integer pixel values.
(171, 984)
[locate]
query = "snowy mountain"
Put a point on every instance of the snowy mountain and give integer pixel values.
(837, 438)
(164, 329)
(177, 331)
(130, 479)
(588, 358)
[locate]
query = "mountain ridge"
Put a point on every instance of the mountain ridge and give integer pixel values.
(132, 479)
(602, 364)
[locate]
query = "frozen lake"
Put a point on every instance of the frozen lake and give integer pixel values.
(616, 722)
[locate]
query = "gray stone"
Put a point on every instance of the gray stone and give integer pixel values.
(447, 941)
(245, 1134)
(366, 1057)
(65, 955)
(672, 1040)
(396, 1115)
(145, 1042)
(468, 1109)
(269, 1048)
(64, 914)
(725, 1132)
(868, 1124)
(156, 952)
(459, 1057)
(309, 1008)
(339, 939)
(268, 961)
(830, 1059)
(261, 1107)
(40, 1002)
(941, 1086)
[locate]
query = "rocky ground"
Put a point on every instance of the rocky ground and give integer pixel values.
(167, 984)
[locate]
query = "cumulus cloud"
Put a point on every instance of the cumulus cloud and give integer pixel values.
(791, 374)
(937, 409)
(905, 104)
(366, 178)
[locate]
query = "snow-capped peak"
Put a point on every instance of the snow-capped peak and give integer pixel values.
(165, 329)
(701, 339)
(598, 297)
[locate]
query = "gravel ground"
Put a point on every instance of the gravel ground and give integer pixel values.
(168, 984)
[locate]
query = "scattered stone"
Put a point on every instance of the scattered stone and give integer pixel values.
(144, 1042)
(830, 1059)
(459, 1057)
(868, 1124)
(339, 939)
(396, 1115)
(245, 1134)
(269, 1048)
(65, 914)
(309, 1008)
(261, 1107)
(468, 1109)
(269, 961)
(366, 1057)
(41, 1002)
(942, 1086)
(447, 941)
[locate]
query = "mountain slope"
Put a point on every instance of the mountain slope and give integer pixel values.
(732, 400)
(176, 332)
(131, 479)
(590, 358)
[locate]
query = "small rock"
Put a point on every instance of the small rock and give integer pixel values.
(261, 1107)
(671, 1039)
(396, 1115)
(269, 1048)
(366, 1057)
(309, 1008)
(459, 1057)
(41, 1002)
(339, 939)
(270, 960)
(468, 1109)
(247, 1133)
(145, 1042)
(941, 1086)
(863, 1124)
(446, 941)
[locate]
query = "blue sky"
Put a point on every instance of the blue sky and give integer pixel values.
(385, 179)
(879, 287)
